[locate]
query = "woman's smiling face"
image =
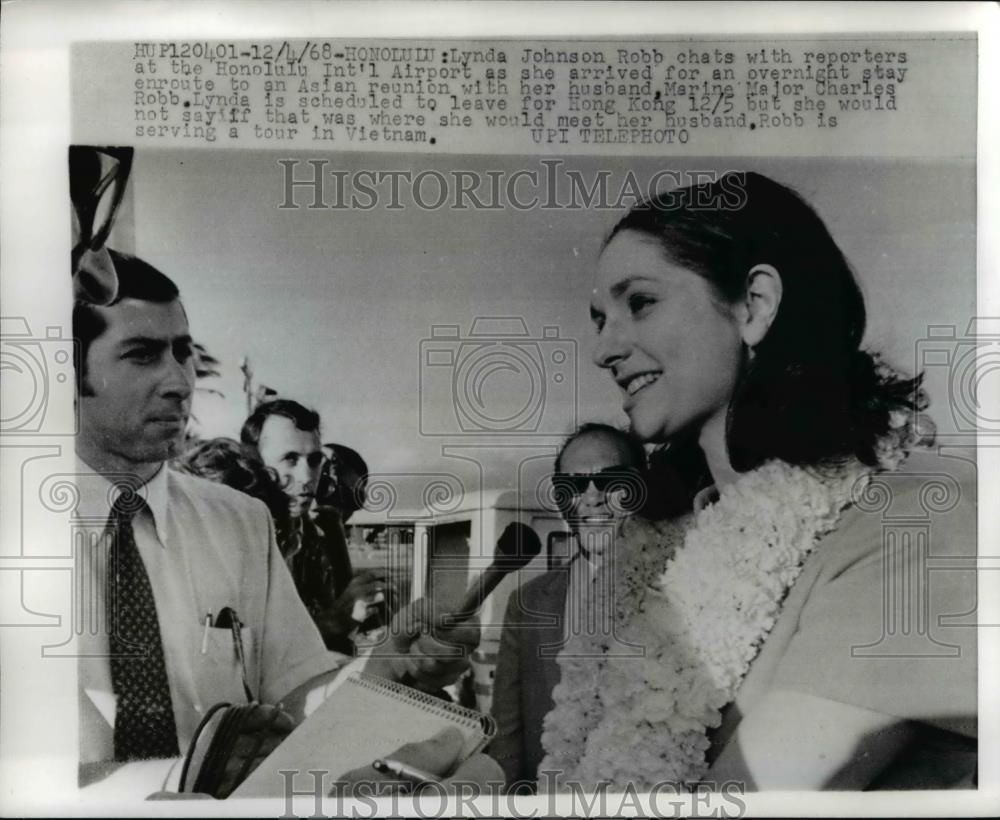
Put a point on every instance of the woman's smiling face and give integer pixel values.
(672, 347)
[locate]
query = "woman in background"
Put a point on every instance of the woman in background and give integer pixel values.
(228, 462)
(774, 650)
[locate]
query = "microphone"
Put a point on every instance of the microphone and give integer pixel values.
(518, 544)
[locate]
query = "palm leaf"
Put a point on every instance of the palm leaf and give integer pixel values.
(205, 364)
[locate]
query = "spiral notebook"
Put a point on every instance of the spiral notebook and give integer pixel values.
(367, 717)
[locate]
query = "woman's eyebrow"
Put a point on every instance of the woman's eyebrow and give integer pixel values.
(618, 288)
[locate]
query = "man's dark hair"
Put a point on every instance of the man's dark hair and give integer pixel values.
(303, 418)
(137, 279)
(636, 490)
(631, 443)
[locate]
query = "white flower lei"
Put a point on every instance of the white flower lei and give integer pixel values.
(700, 595)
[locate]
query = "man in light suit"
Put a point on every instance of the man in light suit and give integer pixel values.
(183, 551)
(599, 477)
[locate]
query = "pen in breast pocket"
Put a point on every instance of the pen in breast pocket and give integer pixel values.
(204, 635)
(228, 619)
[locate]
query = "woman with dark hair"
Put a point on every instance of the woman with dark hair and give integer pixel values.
(774, 651)
(228, 462)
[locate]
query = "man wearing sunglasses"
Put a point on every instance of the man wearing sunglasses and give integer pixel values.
(599, 479)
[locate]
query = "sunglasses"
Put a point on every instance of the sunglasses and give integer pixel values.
(619, 477)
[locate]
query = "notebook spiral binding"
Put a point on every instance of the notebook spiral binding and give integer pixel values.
(428, 702)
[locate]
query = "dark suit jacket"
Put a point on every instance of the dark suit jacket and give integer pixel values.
(322, 570)
(527, 672)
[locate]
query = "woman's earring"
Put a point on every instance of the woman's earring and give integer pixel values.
(751, 353)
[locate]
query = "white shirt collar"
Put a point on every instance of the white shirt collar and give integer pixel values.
(96, 493)
(582, 562)
(156, 498)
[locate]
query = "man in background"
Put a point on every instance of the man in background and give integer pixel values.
(352, 478)
(286, 435)
(599, 478)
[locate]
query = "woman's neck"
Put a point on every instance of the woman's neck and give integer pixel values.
(712, 441)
